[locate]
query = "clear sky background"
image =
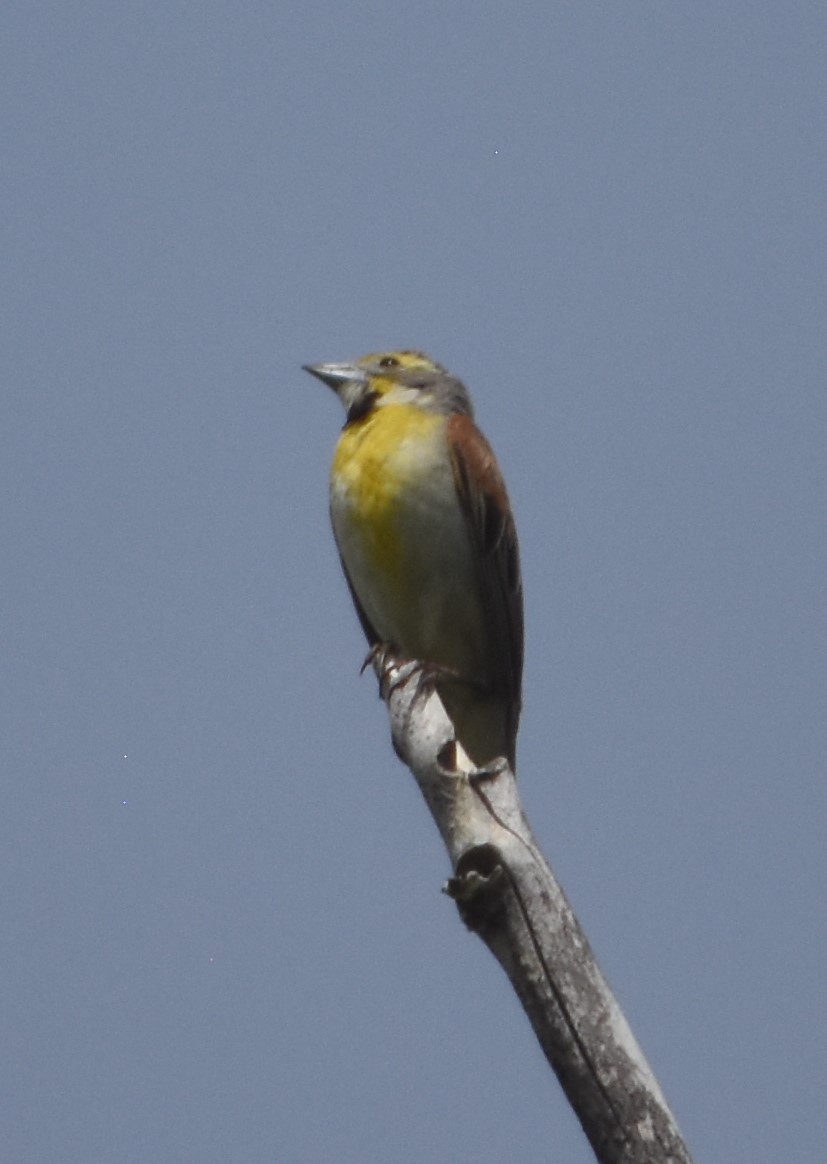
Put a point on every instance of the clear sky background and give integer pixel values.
(222, 934)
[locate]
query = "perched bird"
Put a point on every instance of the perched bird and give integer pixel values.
(427, 541)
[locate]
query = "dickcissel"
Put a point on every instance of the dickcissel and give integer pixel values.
(427, 541)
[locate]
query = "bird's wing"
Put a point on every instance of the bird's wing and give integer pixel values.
(487, 510)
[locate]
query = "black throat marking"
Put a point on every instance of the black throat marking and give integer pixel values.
(361, 408)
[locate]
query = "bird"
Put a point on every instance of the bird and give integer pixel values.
(427, 540)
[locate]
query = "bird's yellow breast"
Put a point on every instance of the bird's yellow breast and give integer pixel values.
(402, 533)
(380, 465)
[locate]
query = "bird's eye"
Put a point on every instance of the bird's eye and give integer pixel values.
(389, 362)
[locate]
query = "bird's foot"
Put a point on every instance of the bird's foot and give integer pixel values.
(392, 669)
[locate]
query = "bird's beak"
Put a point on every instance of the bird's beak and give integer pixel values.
(336, 375)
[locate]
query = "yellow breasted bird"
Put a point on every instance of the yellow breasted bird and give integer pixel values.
(426, 536)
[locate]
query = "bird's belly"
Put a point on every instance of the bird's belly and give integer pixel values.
(405, 545)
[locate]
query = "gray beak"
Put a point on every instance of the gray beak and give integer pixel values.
(335, 375)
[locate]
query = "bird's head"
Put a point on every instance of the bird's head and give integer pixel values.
(382, 379)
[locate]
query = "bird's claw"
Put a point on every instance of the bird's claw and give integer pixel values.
(393, 671)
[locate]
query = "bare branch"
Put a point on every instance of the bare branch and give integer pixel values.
(506, 893)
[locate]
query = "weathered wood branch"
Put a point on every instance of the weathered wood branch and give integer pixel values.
(506, 893)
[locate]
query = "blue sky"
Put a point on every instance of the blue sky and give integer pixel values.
(221, 927)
